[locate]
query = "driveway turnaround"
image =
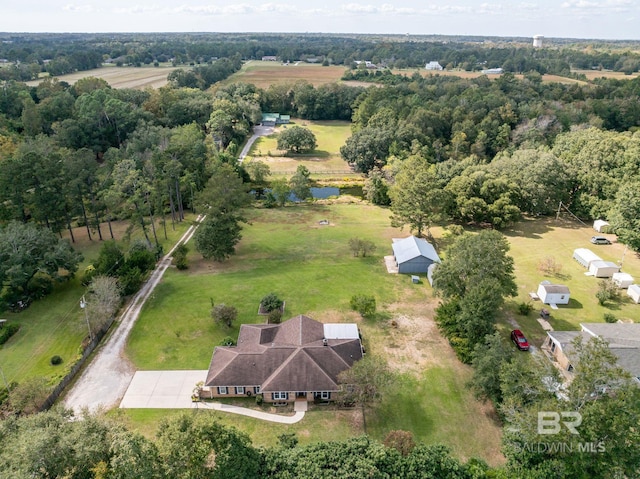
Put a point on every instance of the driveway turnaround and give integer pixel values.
(173, 390)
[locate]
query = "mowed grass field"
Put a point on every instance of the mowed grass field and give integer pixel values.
(137, 78)
(56, 325)
(536, 239)
(264, 74)
(331, 135)
(309, 265)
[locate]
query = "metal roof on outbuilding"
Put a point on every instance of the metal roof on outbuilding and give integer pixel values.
(409, 248)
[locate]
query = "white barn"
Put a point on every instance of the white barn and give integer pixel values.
(414, 255)
(622, 280)
(585, 256)
(634, 293)
(553, 293)
(433, 65)
(600, 226)
(603, 269)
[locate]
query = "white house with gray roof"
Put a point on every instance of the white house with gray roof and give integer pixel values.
(623, 340)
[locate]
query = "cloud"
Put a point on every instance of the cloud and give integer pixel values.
(79, 8)
(601, 7)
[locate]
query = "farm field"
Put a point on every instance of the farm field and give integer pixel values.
(592, 74)
(263, 74)
(310, 266)
(534, 240)
(331, 135)
(121, 77)
(56, 325)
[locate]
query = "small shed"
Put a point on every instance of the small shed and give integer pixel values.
(603, 269)
(634, 293)
(600, 226)
(622, 280)
(553, 293)
(585, 257)
(414, 255)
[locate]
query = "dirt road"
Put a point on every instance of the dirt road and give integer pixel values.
(104, 381)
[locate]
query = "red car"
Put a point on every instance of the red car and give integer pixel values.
(518, 338)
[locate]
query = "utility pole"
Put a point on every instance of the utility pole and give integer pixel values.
(83, 305)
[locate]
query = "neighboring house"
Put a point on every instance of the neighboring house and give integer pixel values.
(601, 226)
(603, 269)
(300, 358)
(553, 293)
(493, 71)
(623, 340)
(585, 256)
(433, 65)
(269, 58)
(414, 255)
(273, 119)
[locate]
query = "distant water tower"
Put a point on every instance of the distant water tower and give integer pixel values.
(537, 41)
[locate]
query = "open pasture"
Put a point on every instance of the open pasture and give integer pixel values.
(137, 78)
(264, 74)
(325, 159)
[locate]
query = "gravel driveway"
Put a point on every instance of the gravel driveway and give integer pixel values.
(104, 381)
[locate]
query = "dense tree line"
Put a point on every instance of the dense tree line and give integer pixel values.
(31, 54)
(192, 446)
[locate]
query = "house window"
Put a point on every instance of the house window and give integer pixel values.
(280, 395)
(222, 390)
(326, 395)
(256, 389)
(239, 389)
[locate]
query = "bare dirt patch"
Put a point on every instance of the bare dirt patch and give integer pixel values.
(265, 74)
(414, 343)
(121, 77)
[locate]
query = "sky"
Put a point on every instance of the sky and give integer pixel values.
(600, 19)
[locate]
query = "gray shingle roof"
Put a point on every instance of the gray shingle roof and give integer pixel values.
(290, 356)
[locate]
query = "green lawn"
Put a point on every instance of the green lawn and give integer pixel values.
(317, 425)
(56, 325)
(331, 135)
(310, 266)
(533, 240)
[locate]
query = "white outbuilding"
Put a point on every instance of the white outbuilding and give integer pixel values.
(634, 293)
(603, 269)
(600, 226)
(585, 257)
(622, 280)
(553, 293)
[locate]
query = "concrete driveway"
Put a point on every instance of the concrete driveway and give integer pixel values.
(162, 389)
(173, 389)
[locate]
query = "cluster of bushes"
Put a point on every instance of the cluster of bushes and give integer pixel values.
(7, 331)
(131, 270)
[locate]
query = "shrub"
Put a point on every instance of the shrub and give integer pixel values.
(607, 291)
(360, 247)
(275, 316)
(224, 314)
(610, 318)
(259, 399)
(55, 360)
(40, 286)
(549, 266)
(228, 341)
(271, 302)
(180, 256)
(363, 304)
(525, 308)
(7, 331)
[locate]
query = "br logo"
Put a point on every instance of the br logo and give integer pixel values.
(549, 421)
